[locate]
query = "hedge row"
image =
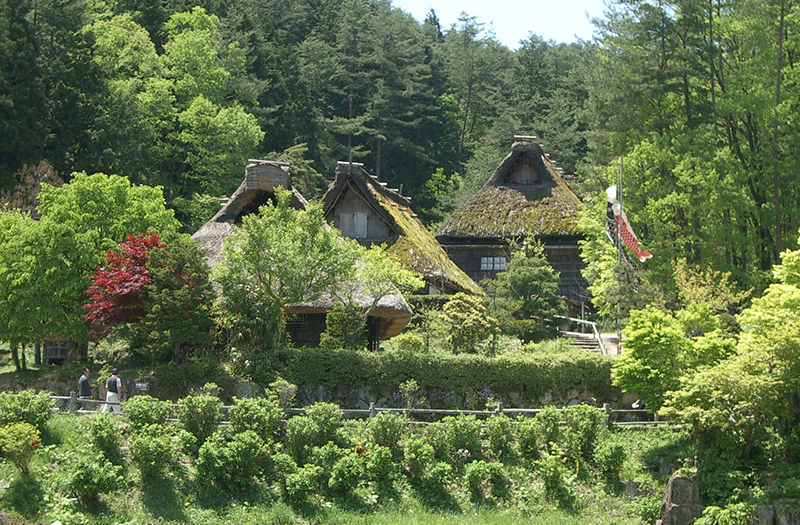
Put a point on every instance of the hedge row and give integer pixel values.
(528, 375)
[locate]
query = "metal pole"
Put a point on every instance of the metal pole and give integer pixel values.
(619, 261)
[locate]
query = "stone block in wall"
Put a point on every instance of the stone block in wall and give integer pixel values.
(631, 489)
(764, 515)
(247, 389)
(681, 503)
(787, 511)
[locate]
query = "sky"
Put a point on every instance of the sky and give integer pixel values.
(513, 20)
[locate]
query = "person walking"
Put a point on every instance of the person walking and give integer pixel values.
(84, 389)
(113, 388)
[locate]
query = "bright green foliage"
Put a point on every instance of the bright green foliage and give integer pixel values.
(418, 455)
(278, 257)
(651, 356)
(259, 414)
(486, 480)
(151, 451)
(22, 305)
(26, 407)
(377, 275)
(609, 459)
(232, 462)
(344, 328)
(200, 415)
(706, 286)
(529, 294)
(388, 430)
(18, 443)
(457, 439)
(347, 473)
(748, 394)
(314, 429)
(85, 475)
(143, 410)
(80, 222)
(467, 322)
(104, 432)
(734, 514)
(580, 434)
(498, 434)
(559, 480)
(303, 482)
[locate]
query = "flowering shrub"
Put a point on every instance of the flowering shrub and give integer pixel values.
(18, 443)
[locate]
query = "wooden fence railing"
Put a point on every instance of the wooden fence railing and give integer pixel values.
(621, 417)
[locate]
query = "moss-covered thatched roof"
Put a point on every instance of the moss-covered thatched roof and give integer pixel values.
(543, 206)
(414, 246)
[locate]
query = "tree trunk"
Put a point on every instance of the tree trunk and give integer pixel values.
(15, 357)
(775, 170)
(37, 354)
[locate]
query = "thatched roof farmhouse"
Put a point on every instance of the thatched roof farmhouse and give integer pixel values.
(363, 208)
(307, 319)
(526, 196)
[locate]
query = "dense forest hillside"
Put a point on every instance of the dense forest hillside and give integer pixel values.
(699, 99)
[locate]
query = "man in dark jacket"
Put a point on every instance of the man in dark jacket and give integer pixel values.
(84, 388)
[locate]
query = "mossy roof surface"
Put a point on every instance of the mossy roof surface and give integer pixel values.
(415, 246)
(500, 209)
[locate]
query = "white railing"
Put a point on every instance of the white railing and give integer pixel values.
(595, 331)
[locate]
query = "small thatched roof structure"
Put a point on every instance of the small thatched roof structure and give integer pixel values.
(390, 219)
(260, 181)
(392, 310)
(525, 196)
(261, 178)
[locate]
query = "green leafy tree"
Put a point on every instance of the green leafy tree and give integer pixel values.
(467, 322)
(377, 276)
(279, 256)
(650, 364)
(749, 393)
(529, 291)
(47, 264)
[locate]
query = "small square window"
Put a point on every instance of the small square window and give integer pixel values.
(493, 264)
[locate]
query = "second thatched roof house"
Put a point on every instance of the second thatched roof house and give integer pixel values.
(308, 318)
(526, 196)
(365, 209)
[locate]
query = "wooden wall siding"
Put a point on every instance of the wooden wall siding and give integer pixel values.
(351, 210)
(564, 259)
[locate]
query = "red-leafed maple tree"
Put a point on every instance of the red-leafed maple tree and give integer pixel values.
(118, 289)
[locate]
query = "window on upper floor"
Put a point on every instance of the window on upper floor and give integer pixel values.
(497, 264)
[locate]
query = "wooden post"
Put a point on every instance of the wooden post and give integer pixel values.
(372, 411)
(499, 409)
(607, 409)
(73, 402)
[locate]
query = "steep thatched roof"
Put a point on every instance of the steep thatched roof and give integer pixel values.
(526, 195)
(412, 243)
(258, 187)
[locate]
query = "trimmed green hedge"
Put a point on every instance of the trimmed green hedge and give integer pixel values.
(529, 375)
